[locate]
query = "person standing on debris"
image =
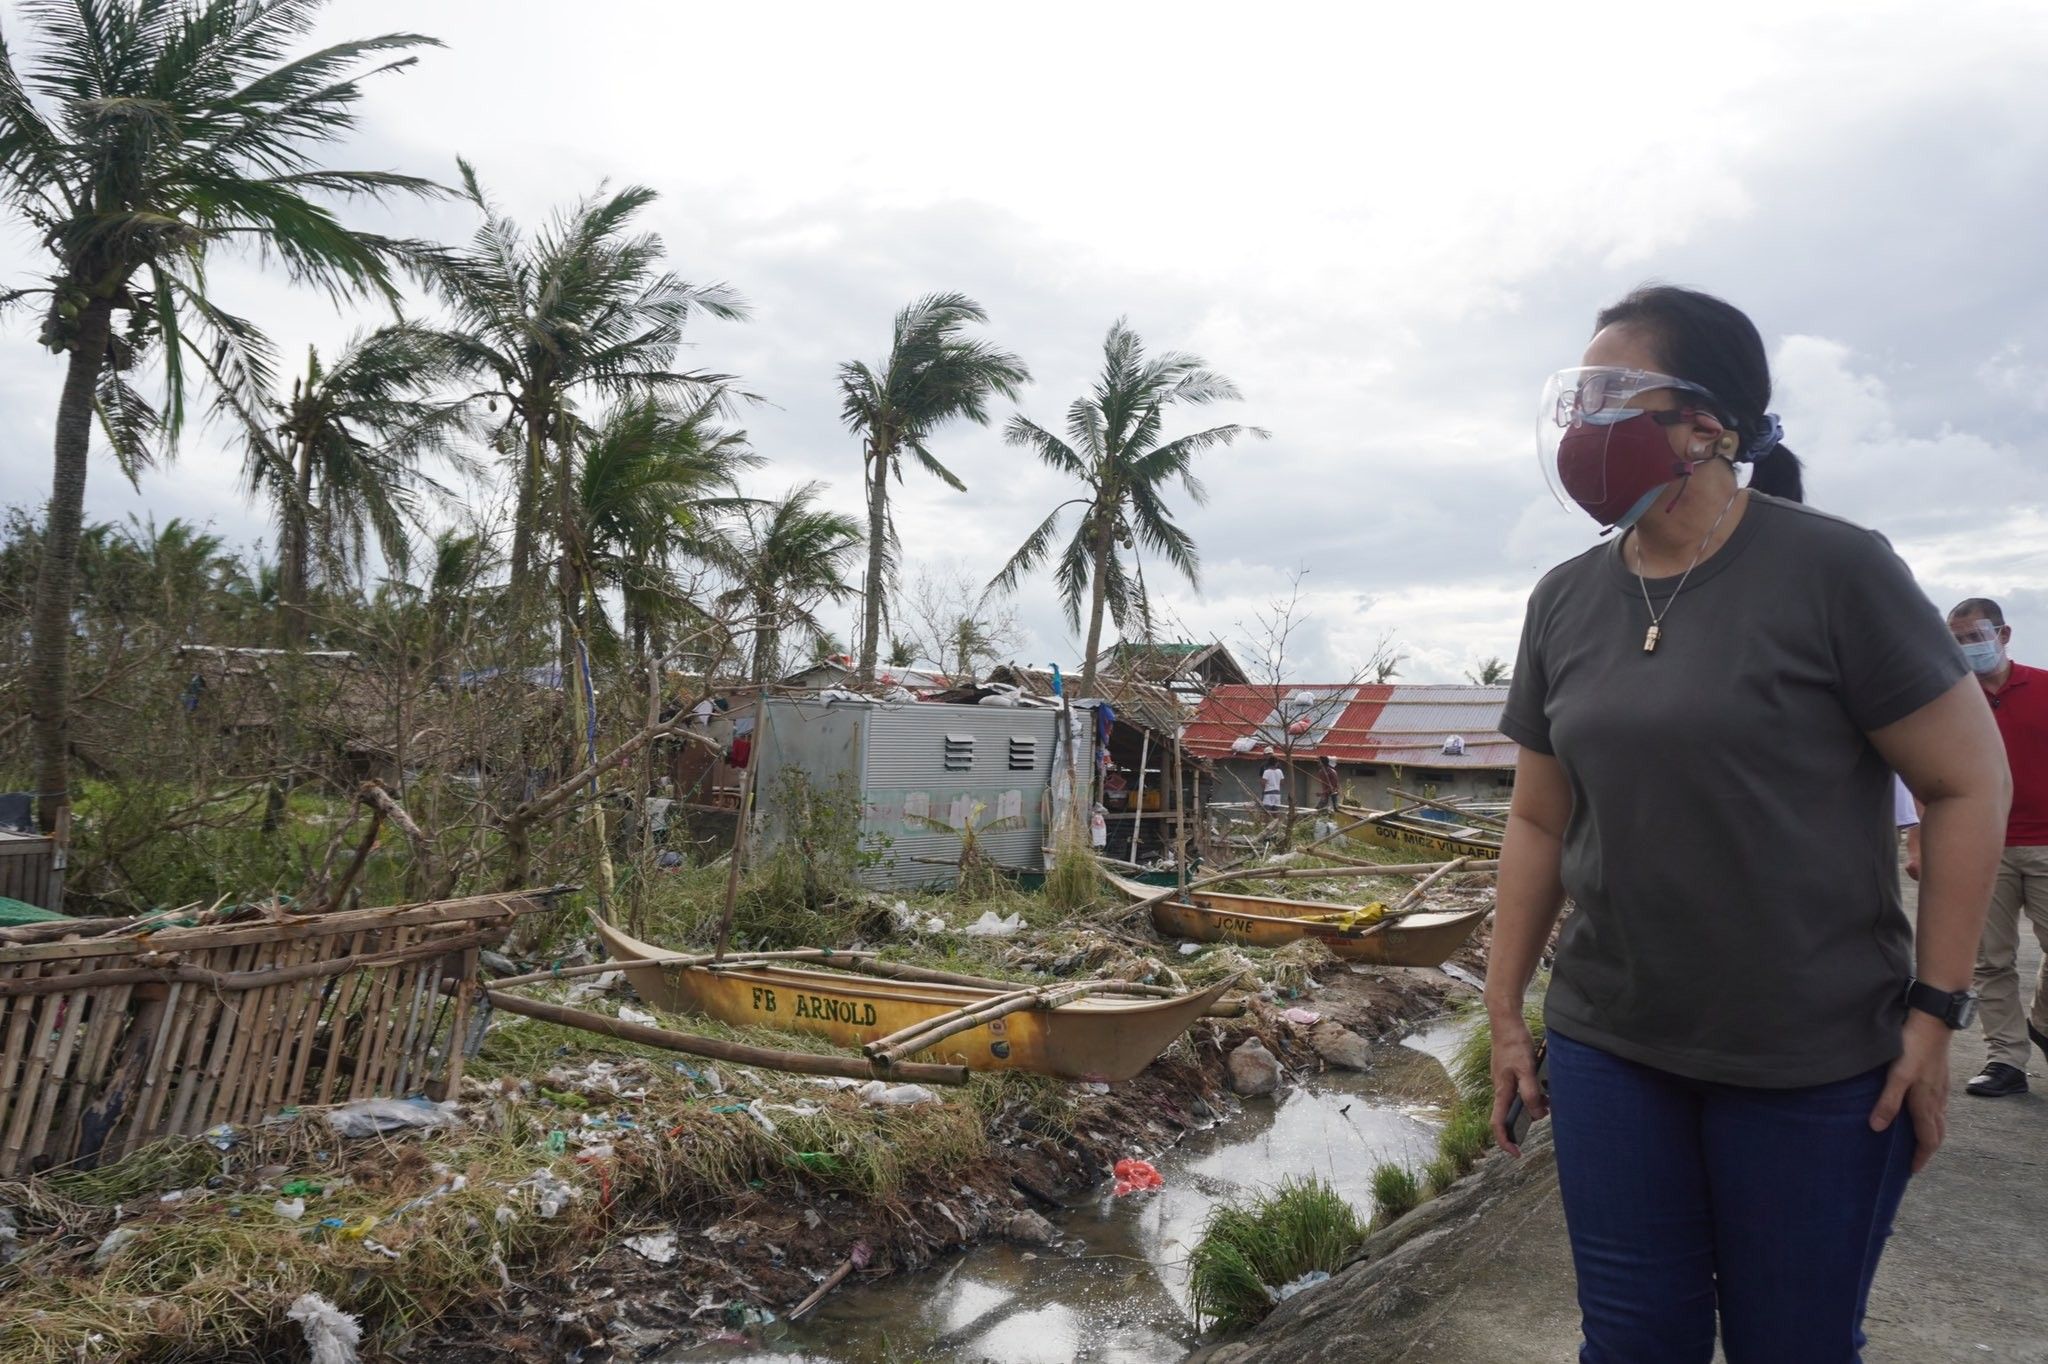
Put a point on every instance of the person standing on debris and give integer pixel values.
(1328, 788)
(1272, 778)
(1710, 707)
(2019, 703)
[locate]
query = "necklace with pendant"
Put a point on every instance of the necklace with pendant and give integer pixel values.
(1656, 630)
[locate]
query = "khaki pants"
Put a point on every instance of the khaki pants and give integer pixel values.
(2022, 884)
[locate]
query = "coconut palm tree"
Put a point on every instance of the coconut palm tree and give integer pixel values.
(183, 566)
(934, 373)
(457, 563)
(340, 459)
(1115, 448)
(581, 308)
(789, 556)
(653, 478)
(1493, 672)
(142, 134)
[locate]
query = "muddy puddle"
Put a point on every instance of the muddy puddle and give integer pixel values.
(1115, 1290)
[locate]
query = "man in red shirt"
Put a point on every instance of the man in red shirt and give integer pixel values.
(2019, 702)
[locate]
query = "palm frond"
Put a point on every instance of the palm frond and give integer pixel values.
(1029, 555)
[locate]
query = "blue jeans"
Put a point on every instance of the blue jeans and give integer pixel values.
(1683, 1197)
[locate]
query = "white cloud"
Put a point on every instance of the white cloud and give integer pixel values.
(1386, 225)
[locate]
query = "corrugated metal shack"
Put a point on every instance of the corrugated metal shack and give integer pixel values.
(31, 870)
(1381, 735)
(1135, 783)
(912, 765)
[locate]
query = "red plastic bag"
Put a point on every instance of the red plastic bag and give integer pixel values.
(1133, 1176)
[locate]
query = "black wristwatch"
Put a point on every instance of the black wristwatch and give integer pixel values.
(1957, 1008)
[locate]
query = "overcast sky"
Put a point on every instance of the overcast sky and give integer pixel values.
(1388, 224)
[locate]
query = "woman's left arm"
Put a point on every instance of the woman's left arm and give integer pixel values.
(1953, 761)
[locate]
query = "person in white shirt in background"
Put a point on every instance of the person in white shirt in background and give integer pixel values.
(1271, 779)
(1906, 814)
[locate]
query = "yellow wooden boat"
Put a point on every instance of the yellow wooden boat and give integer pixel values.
(1106, 1038)
(1436, 838)
(1418, 939)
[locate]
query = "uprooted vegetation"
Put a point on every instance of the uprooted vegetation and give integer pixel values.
(766, 1179)
(509, 1232)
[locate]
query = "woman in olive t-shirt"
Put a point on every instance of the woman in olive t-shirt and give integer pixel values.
(1710, 706)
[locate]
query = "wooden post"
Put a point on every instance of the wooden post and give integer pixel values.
(1180, 817)
(1138, 800)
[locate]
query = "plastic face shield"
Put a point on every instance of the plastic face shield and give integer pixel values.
(1977, 630)
(1585, 413)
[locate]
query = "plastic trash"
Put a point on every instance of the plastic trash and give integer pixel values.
(990, 926)
(1304, 1017)
(908, 921)
(658, 1248)
(1188, 949)
(299, 1188)
(1293, 1286)
(331, 1334)
(629, 1014)
(551, 1192)
(290, 1209)
(1136, 1176)
(886, 1095)
(369, 1117)
(111, 1244)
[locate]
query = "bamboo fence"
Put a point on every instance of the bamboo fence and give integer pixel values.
(108, 1043)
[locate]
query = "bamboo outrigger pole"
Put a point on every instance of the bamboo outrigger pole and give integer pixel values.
(736, 1053)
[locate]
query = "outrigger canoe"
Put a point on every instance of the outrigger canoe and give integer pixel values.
(1415, 834)
(1424, 938)
(1104, 1038)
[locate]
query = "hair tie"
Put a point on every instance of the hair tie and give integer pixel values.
(1772, 434)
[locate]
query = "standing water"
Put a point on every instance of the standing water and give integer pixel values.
(1116, 1290)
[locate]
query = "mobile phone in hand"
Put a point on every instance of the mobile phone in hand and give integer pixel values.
(1518, 1118)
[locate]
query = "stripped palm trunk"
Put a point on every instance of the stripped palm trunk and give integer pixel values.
(50, 651)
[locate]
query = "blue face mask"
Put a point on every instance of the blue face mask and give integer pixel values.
(1983, 655)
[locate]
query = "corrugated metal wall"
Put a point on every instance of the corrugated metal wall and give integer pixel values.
(942, 761)
(936, 760)
(820, 741)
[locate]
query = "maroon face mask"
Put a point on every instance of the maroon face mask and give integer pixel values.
(1613, 469)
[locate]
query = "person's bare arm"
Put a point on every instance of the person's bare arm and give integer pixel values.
(1913, 850)
(1527, 901)
(1951, 758)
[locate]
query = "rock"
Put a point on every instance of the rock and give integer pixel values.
(1028, 1228)
(1253, 1069)
(1340, 1047)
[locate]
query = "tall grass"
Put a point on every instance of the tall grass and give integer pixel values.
(1395, 1192)
(1072, 882)
(1468, 1129)
(1249, 1250)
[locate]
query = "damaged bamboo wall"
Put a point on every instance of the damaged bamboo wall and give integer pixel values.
(109, 1043)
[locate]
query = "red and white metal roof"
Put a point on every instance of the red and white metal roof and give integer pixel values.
(1370, 722)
